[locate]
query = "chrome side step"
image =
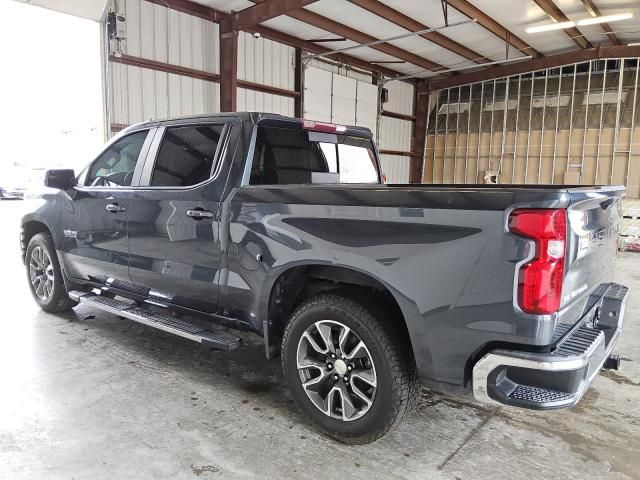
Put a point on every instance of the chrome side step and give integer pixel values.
(207, 335)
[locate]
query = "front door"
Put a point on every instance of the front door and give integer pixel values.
(94, 213)
(173, 222)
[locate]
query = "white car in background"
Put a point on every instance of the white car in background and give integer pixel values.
(12, 184)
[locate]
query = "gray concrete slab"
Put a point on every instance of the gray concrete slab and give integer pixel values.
(89, 395)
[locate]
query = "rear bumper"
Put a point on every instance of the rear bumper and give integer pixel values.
(558, 379)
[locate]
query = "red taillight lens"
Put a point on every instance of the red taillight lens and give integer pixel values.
(540, 280)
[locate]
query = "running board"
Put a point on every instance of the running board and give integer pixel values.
(209, 336)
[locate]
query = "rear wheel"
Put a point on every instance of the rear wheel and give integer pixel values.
(351, 373)
(45, 276)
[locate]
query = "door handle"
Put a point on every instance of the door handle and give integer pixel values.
(199, 214)
(114, 208)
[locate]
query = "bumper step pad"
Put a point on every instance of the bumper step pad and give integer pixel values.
(208, 335)
(537, 395)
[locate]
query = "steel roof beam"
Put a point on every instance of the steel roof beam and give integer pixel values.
(213, 15)
(464, 7)
(557, 15)
(594, 11)
(537, 64)
(263, 11)
(357, 36)
(408, 23)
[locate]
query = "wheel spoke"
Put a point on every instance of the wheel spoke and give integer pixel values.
(325, 332)
(35, 281)
(314, 380)
(360, 347)
(360, 394)
(310, 340)
(308, 362)
(39, 258)
(328, 401)
(40, 288)
(344, 333)
(348, 408)
(366, 375)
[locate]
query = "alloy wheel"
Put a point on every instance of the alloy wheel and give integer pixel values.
(41, 273)
(336, 370)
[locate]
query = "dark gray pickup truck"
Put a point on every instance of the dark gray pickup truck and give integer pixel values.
(283, 227)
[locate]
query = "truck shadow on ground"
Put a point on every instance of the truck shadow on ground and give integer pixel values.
(244, 371)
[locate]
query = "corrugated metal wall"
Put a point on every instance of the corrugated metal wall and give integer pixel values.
(395, 134)
(164, 35)
(153, 30)
(395, 167)
(266, 62)
(140, 94)
(168, 36)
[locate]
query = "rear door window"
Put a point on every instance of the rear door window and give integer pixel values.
(187, 155)
(287, 156)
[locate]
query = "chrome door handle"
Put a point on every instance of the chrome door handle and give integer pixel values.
(114, 208)
(199, 214)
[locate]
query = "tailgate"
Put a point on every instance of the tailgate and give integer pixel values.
(593, 222)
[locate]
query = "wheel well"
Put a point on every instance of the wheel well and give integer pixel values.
(300, 283)
(29, 229)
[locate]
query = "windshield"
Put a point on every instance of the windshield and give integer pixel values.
(286, 156)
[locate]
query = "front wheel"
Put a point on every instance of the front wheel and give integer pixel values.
(45, 276)
(348, 370)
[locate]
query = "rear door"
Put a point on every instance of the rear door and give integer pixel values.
(174, 221)
(94, 214)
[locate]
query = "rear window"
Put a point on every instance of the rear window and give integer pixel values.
(285, 156)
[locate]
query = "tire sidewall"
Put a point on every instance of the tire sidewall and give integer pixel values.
(376, 419)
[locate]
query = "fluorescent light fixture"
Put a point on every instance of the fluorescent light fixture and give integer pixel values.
(605, 19)
(550, 26)
(636, 44)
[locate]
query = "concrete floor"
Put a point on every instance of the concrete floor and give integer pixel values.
(88, 395)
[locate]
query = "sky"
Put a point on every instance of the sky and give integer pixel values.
(50, 88)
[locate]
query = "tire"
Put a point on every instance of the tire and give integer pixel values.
(390, 363)
(49, 290)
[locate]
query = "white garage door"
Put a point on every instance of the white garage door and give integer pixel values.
(330, 97)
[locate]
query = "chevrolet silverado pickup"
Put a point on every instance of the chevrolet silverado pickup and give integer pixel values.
(207, 226)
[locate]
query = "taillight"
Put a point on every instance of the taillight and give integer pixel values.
(540, 280)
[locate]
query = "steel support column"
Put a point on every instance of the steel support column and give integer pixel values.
(298, 82)
(419, 132)
(228, 66)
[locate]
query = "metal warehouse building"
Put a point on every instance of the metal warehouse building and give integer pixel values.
(559, 107)
(255, 296)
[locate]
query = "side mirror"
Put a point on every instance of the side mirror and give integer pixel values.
(60, 179)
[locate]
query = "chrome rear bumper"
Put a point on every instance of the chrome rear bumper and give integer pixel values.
(557, 379)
